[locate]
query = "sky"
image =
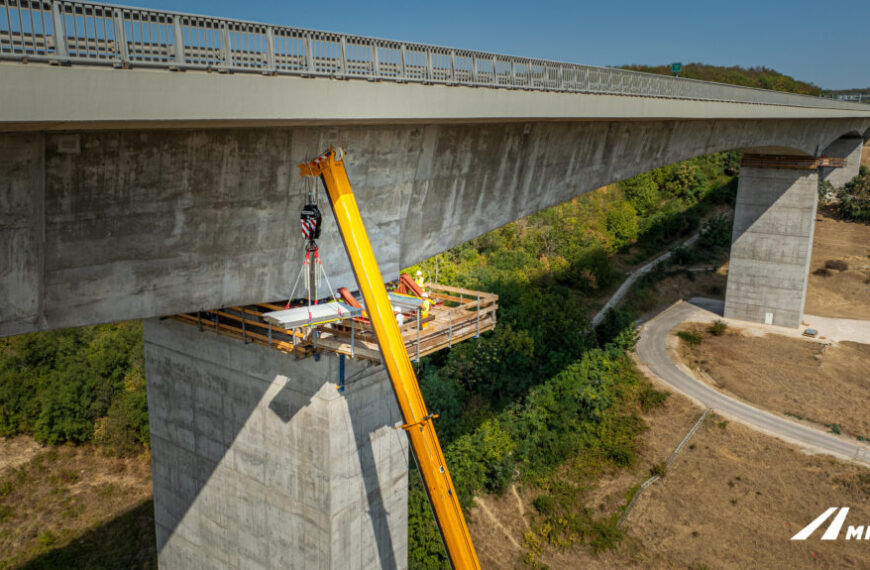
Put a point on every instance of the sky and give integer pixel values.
(826, 42)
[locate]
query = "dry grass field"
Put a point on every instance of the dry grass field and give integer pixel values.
(834, 292)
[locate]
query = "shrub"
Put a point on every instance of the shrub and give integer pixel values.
(651, 398)
(718, 328)
(622, 226)
(660, 469)
(691, 338)
(716, 234)
(837, 264)
(606, 534)
(682, 255)
(822, 272)
(544, 504)
(614, 322)
(826, 190)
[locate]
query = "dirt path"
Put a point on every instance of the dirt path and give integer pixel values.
(633, 277)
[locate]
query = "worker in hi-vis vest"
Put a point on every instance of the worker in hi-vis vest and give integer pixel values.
(419, 279)
(424, 309)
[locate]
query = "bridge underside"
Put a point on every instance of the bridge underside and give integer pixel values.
(103, 226)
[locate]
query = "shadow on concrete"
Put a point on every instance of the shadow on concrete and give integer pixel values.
(126, 541)
(715, 306)
(374, 495)
(215, 426)
(286, 405)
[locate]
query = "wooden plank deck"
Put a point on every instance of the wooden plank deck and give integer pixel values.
(459, 314)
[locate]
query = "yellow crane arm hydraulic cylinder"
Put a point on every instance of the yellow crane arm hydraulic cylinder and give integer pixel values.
(418, 422)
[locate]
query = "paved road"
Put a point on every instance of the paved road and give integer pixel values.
(652, 351)
(634, 276)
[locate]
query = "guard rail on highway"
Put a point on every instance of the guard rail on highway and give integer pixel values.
(67, 32)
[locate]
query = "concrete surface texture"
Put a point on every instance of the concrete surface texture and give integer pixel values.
(850, 148)
(113, 225)
(772, 240)
(259, 462)
(43, 97)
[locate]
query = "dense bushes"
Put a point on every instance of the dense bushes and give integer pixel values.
(855, 197)
(61, 386)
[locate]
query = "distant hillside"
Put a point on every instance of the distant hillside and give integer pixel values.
(760, 77)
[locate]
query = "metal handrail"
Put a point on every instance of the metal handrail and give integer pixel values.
(67, 32)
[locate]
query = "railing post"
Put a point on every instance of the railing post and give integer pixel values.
(270, 51)
(121, 38)
(309, 53)
(474, 69)
(478, 315)
(419, 326)
(344, 56)
(430, 74)
(494, 70)
(226, 47)
(402, 72)
(376, 64)
(453, 65)
(60, 48)
(179, 42)
(513, 74)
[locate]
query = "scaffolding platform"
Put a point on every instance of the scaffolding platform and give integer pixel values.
(458, 314)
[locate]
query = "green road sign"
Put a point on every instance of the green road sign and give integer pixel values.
(676, 67)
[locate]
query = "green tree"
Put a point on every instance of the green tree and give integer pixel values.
(642, 192)
(622, 226)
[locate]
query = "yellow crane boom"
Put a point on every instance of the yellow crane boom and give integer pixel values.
(418, 421)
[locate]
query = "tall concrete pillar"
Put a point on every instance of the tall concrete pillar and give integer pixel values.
(259, 461)
(846, 147)
(774, 219)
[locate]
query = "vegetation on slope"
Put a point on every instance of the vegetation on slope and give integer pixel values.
(543, 399)
(759, 77)
(76, 385)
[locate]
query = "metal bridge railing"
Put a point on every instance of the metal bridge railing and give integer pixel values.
(64, 31)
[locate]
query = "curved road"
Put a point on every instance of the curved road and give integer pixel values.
(653, 352)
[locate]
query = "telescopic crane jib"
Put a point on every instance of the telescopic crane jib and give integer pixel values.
(418, 421)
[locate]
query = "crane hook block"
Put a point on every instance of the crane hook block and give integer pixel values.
(311, 221)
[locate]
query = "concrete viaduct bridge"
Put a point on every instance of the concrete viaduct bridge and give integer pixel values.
(147, 167)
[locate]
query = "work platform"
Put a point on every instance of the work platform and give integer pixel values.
(459, 314)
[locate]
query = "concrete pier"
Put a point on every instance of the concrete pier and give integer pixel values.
(849, 148)
(260, 462)
(774, 219)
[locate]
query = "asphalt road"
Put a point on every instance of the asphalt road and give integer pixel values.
(652, 351)
(634, 276)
